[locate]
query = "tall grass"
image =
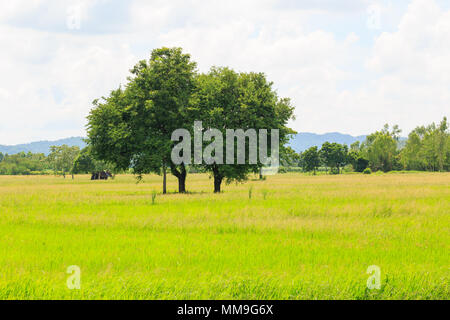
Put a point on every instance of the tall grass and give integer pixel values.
(313, 238)
(153, 197)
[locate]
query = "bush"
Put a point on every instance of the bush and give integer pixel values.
(334, 171)
(347, 169)
(361, 164)
(367, 171)
(282, 170)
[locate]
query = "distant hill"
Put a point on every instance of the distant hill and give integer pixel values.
(299, 142)
(42, 146)
(304, 140)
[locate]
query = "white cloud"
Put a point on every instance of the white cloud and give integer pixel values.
(338, 78)
(412, 66)
(11, 9)
(53, 80)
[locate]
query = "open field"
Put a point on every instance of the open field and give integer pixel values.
(312, 237)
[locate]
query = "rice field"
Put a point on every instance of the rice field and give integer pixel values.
(292, 236)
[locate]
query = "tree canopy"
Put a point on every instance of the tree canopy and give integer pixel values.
(381, 149)
(224, 100)
(311, 159)
(86, 163)
(133, 126)
(428, 148)
(62, 157)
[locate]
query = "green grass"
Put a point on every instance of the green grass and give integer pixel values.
(298, 237)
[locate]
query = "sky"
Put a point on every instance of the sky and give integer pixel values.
(349, 66)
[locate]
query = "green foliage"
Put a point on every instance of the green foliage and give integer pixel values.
(310, 159)
(380, 149)
(23, 164)
(325, 154)
(367, 171)
(355, 146)
(357, 160)
(86, 163)
(348, 169)
(225, 99)
(61, 158)
(334, 171)
(334, 155)
(289, 158)
(428, 148)
(282, 170)
(133, 126)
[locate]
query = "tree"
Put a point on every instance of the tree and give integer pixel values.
(290, 158)
(427, 148)
(339, 156)
(355, 146)
(357, 160)
(62, 157)
(133, 126)
(226, 100)
(412, 155)
(380, 148)
(1, 157)
(440, 139)
(311, 159)
(86, 163)
(333, 155)
(325, 155)
(23, 163)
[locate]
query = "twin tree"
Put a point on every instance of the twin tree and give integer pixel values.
(132, 128)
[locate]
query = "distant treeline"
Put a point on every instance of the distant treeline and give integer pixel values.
(426, 149)
(62, 160)
(23, 164)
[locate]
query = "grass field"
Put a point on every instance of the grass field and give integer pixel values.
(298, 237)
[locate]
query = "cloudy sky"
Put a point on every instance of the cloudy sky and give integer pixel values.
(348, 65)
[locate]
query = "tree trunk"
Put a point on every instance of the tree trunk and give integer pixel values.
(260, 174)
(218, 178)
(182, 180)
(72, 176)
(217, 184)
(182, 184)
(181, 176)
(164, 179)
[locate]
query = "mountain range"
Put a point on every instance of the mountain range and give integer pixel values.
(304, 140)
(298, 142)
(42, 146)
